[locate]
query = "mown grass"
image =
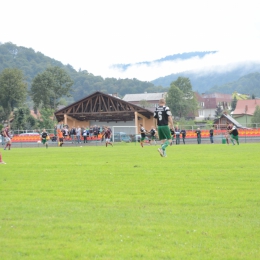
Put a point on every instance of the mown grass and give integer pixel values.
(125, 202)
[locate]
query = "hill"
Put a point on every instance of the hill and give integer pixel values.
(85, 83)
(216, 81)
(248, 84)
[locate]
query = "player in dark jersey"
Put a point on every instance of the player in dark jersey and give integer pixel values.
(153, 133)
(234, 134)
(44, 136)
(164, 119)
(107, 134)
(142, 131)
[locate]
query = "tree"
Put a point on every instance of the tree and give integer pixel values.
(46, 120)
(23, 119)
(256, 116)
(48, 87)
(218, 111)
(12, 90)
(234, 103)
(181, 98)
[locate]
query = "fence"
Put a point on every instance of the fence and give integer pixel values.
(245, 134)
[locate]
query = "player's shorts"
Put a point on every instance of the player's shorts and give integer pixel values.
(164, 132)
(107, 140)
(44, 140)
(7, 139)
(235, 137)
(142, 138)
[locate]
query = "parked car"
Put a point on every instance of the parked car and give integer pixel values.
(122, 137)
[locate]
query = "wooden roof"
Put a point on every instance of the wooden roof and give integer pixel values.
(102, 107)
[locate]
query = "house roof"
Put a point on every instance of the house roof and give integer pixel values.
(217, 96)
(246, 107)
(144, 96)
(232, 120)
(228, 119)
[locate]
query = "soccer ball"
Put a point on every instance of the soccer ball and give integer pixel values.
(39, 142)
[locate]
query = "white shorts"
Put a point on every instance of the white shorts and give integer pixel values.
(7, 139)
(107, 140)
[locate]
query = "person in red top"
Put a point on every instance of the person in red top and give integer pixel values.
(107, 133)
(7, 136)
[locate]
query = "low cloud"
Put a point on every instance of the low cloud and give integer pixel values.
(221, 61)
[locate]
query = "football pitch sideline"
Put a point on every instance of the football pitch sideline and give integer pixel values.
(127, 202)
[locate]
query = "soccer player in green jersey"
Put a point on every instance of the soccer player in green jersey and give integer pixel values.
(163, 116)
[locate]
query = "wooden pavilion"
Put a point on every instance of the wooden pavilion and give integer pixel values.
(103, 109)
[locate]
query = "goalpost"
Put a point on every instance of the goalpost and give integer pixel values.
(124, 134)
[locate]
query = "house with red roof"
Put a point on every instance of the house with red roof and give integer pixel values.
(245, 110)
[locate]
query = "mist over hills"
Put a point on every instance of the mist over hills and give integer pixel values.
(244, 78)
(212, 81)
(174, 57)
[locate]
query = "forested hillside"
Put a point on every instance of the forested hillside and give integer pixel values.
(85, 83)
(217, 81)
(244, 79)
(248, 84)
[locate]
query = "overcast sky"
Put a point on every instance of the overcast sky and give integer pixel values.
(92, 35)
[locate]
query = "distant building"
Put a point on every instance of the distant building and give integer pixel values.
(209, 102)
(221, 123)
(245, 110)
(145, 100)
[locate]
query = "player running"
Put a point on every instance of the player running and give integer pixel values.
(164, 118)
(107, 134)
(153, 133)
(44, 136)
(142, 131)
(7, 136)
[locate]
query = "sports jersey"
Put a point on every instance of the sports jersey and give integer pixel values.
(107, 134)
(142, 130)
(44, 134)
(234, 131)
(153, 131)
(161, 114)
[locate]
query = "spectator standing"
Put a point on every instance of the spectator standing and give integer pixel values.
(84, 134)
(198, 132)
(183, 133)
(78, 134)
(211, 134)
(72, 134)
(177, 134)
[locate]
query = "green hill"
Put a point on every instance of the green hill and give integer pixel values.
(85, 83)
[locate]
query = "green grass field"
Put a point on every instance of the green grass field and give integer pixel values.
(126, 202)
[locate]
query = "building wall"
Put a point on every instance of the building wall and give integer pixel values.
(243, 119)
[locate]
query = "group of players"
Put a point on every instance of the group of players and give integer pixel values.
(163, 116)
